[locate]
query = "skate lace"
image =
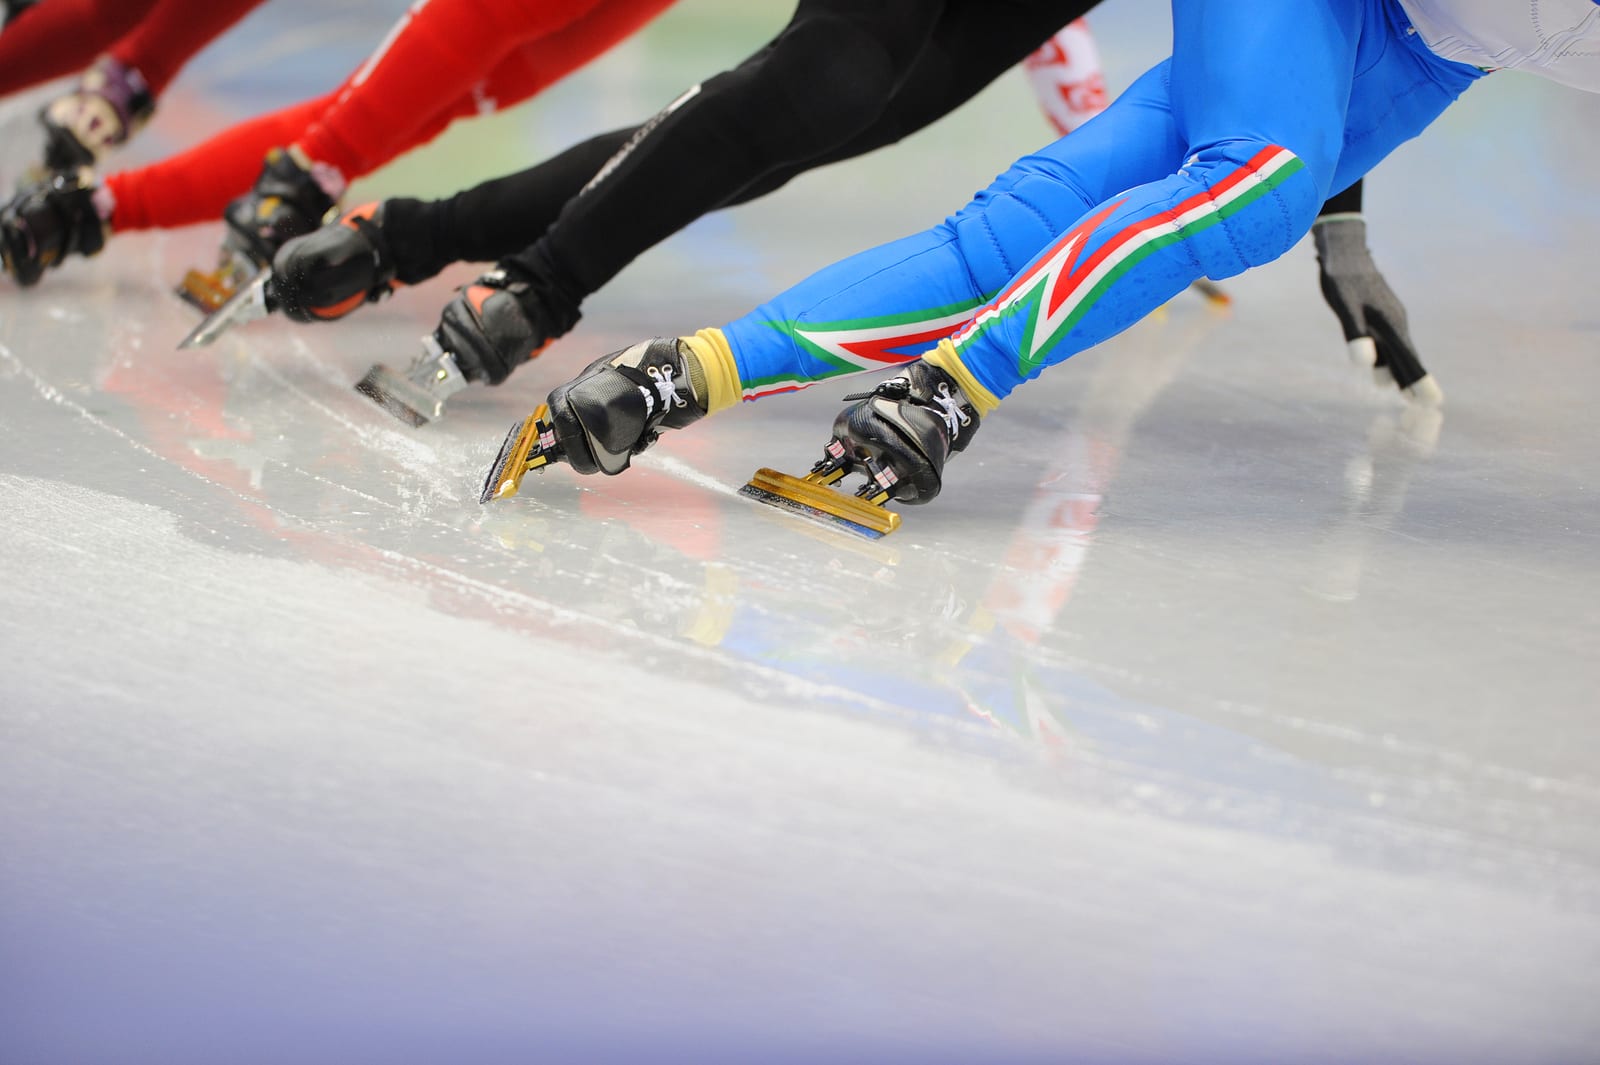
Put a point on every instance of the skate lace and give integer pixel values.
(661, 377)
(954, 417)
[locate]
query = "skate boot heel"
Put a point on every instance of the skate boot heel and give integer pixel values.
(530, 445)
(417, 396)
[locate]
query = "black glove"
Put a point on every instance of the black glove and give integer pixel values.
(1372, 316)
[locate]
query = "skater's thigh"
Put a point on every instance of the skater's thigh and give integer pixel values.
(975, 42)
(1269, 73)
(534, 66)
(825, 35)
(1399, 89)
(1133, 142)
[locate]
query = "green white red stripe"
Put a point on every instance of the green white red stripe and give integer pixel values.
(1057, 291)
(864, 344)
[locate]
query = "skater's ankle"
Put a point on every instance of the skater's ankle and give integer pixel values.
(709, 347)
(328, 177)
(105, 204)
(945, 358)
(411, 233)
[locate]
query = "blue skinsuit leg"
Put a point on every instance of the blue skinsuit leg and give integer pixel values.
(888, 305)
(1225, 152)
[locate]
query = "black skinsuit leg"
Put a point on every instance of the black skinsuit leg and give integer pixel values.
(843, 78)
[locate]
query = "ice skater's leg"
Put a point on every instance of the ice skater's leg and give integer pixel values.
(440, 55)
(196, 185)
(886, 305)
(824, 79)
(1259, 96)
(116, 96)
(62, 37)
(172, 32)
(968, 49)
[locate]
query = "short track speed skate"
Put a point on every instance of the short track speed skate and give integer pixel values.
(109, 104)
(530, 445)
(288, 200)
(598, 421)
(898, 436)
(417, 394)
(810, 496)
(319, 277)
(48, 223)
(491, 327)
(255, 301)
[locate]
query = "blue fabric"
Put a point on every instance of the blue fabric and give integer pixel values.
(1214, 161)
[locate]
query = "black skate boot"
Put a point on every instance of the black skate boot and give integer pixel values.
(287, 201)
(45, 224)
(899, 436)
(109, 105)
(493, 325)
(610, 412)
(328, 274)
(315, 278)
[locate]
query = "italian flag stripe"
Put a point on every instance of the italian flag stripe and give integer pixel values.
(1064, 291)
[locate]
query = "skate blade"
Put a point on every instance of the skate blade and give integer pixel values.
(527, 447)
(416, 396)
(400, 396)
(247, 305)
(815, 500)
(1212, 292)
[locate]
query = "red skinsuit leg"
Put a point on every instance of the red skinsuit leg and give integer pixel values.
(172, 33)
(449, 58)
(62, 37)
(196, 185)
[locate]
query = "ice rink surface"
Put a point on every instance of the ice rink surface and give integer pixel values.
(1221, 710)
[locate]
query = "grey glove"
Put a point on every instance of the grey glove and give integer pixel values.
(1372, 316)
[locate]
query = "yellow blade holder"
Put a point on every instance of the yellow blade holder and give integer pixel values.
(1212, 292)
(529, 446)
(812, 497)
(209, 290)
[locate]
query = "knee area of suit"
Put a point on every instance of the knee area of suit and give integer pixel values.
(1004, 229)
(1265, 198)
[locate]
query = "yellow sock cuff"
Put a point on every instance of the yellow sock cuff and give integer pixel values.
(723, 388)
(944, 356)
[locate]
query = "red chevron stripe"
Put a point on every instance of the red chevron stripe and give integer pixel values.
(1068, 279)
(877, 350)
(1166, 217)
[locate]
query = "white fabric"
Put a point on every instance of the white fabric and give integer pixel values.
(1558, 39)
(1067, 78)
